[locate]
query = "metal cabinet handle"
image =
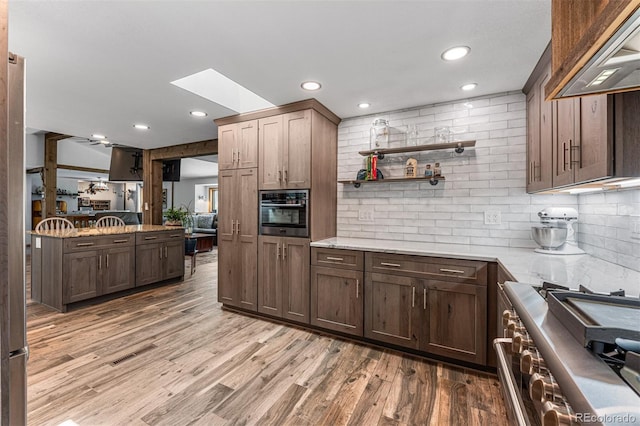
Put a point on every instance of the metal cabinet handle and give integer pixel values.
(413, 297)
(99, 262)
(238, 227)
(84, 244)
(337, 259)
(233, 155)
(107, 261)
(279, 175)
(120, 241)
(150, 238)
(160, 252)
(395, 265)
(564, 155)
(284, 251)
(424, 299)
(166, 252)
(286, 175)
(238, 156)
(357, 289)
(233, 225)
(452, 271)
(277, 250)
(176, 236)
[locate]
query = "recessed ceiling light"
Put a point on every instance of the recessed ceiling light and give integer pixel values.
(469, 86)
(198, 113)
(141, 126)
(364, 105)
(98, 136)
(455, 53)
(311, 85)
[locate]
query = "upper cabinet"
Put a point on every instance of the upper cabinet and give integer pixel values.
(238, 145)
(578, 140)
(586, 36)
(285, 151)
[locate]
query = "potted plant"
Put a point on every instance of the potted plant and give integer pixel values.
(176, 217)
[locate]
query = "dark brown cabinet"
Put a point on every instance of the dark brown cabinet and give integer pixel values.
(238, 238)
(430, 304)
(283, 284)
(238, 144)
(160, 256)
(337, 290)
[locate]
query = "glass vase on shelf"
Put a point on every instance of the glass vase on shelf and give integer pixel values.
(379, 134)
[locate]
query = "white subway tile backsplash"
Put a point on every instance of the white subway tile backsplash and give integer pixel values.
(489, 177)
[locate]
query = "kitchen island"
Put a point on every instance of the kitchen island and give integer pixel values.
(70, 266)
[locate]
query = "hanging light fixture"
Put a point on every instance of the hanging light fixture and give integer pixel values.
(100, 186)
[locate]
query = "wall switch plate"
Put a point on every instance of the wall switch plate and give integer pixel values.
(365, 215)
(492, 217)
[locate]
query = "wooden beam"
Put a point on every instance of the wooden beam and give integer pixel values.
(50, 176)
(81, 169)
(186, 150)
(283, 109)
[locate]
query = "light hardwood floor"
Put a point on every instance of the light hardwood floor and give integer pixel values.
(198, 364)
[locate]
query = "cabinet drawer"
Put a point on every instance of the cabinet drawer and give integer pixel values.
(159, 236)
(345, 259)
(462, 271)
(90, 243)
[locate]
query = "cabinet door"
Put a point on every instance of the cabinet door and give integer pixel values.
(593, 156)
(247, 143)
(539, 137)
(119, 270)
(81, 276)
(174, 258)
(297, 150)
(391, 313)
(270, 275)
(270, 148)
(227, 146)
(564, 140)
(247, 238)
(337, 299)
(149, 258)
(227, 256)
(296, 256)
(457, 320)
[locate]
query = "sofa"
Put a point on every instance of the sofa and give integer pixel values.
(206, 223)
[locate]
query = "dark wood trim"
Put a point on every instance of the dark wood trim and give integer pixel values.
(283, 109)
(538, 70)
(50, 175)
(4, 210)
(35, 170)
(55, 136)
(597, 27)
(79, 168)
(185, 150)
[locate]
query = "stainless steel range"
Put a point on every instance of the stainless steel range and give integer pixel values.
(567, 357)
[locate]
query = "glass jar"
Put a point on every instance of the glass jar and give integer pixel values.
(379, 134)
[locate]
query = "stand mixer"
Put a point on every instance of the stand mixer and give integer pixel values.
(556, 234)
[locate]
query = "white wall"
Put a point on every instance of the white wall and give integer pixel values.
(489, 177)
(185, 192)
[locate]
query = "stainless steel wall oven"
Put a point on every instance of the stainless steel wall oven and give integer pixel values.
(284, 212)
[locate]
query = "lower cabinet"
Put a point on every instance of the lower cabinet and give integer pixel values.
(160, 256)
(283, 277)
(337, 299)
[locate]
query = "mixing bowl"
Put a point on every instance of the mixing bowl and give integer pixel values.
(548, 237)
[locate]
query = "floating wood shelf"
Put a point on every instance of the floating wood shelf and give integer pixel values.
(357, 183)
(459, 145)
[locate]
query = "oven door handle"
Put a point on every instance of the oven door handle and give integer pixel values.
(509, 382)
(281, 205)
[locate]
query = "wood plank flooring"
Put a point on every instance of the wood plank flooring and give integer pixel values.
(172, 356)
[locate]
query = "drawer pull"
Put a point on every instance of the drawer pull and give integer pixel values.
(107, 256)
(84, 244)
(453, 271)
(357, 289)
(395, 265)
(99, 262)
(424, 299)
(176, 236)
(120, 241)
(413, 297)
(150, 238)
(337, 259)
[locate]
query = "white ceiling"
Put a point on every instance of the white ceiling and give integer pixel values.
(101, 66)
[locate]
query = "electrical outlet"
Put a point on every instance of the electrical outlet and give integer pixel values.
(492, 217)
(365, 215)
(635, 230)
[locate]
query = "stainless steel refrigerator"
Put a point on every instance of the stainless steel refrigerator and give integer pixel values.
(13, 347)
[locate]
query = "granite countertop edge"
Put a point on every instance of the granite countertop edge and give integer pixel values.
(97, 232)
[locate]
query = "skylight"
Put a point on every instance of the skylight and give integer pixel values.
(213, 86)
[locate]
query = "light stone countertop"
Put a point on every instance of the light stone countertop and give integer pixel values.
(113, 230)
(525, 265)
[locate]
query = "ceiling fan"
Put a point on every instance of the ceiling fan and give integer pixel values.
(92, 141)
